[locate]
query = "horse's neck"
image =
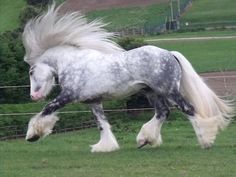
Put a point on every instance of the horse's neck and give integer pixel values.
(63, 56)
(57, 57)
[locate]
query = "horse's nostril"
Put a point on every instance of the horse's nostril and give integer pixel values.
(33, 97)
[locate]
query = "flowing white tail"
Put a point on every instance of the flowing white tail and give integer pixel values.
(212, 113)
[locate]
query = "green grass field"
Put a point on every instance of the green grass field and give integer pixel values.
(202, 13)
(119, 18)
(211, 33)
(67, 155)
(116, 17)
(205, 55)
(211, 13)
(10, 11)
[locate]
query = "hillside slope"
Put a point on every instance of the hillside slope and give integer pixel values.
(10, 11)
(91, 5)
(208, 13)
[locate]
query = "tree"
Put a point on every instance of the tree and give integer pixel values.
(13, 69)
(28, 13)
(37, 2)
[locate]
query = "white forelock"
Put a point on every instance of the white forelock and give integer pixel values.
(53, 29)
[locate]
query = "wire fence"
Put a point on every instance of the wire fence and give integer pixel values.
(227, 78)
(170, 20)
(19, 130)
(65, 125)
(159, 26)
(210, 25)
(223, 83)
(14, 124)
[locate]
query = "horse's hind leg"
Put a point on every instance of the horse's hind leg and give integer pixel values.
(150, 131)
(176, 99)
(107, 140)
(205, 129)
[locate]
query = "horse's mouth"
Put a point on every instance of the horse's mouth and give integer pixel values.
(37, 97)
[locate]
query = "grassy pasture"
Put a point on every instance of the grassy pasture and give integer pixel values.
(119, 18)
(68, 155)
(211, 33)
(211, 13)
(205, 55)
(10, 11)
(202, 13)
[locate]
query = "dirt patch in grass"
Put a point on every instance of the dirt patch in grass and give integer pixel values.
(223, 83)
(86, 6)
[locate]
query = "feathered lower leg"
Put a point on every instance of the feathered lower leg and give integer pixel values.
(150, 132)
(107, 140)
(42, 124)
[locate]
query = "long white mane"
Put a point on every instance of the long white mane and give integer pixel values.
(52, 29)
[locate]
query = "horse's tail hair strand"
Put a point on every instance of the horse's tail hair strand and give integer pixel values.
(212, 112)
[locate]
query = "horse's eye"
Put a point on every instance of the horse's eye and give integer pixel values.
(31, 73)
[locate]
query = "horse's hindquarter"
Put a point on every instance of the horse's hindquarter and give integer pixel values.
(155, 67)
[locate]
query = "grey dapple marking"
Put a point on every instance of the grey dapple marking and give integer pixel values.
(91, 68)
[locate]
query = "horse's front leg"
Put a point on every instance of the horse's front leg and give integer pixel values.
(42, 124)
(107, 140)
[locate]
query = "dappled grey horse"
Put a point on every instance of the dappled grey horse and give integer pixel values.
(91, 68)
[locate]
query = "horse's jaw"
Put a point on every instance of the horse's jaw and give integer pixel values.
(48, 87)
(44, 91)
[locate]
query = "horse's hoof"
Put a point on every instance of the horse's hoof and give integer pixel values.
(33, 139)
(144, 144)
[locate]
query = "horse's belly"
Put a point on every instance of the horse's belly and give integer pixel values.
(125, 90)
(106, 91)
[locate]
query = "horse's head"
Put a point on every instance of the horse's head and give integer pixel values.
(41, 80)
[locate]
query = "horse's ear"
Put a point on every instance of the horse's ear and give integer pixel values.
(28, 61)
(25, 59)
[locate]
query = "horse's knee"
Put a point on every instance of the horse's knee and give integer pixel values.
(163, 114)
(189, 110)
(178, 100)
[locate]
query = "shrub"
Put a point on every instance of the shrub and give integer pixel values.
(37, 2)
(28, 13)
(129, 43)
(13, 70)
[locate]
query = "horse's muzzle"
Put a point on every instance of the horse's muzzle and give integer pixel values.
(35, 96)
